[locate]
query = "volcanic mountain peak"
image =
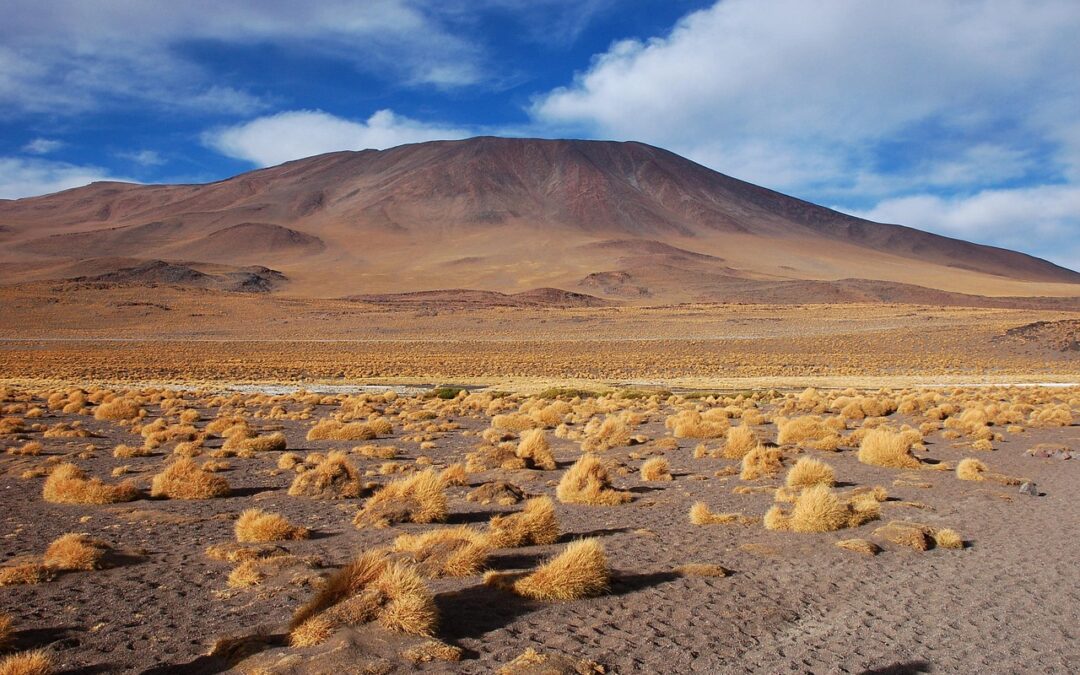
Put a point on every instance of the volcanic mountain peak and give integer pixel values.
(501, 214)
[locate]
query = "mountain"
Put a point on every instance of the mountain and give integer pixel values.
(619, 221)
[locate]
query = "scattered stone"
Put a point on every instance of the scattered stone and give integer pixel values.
(1029, 489)
(1051, 451)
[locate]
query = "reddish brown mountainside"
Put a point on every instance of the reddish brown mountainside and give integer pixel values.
(620, 220)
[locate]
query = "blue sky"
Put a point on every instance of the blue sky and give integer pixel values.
(957, 117)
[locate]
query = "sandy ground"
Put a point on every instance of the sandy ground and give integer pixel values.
(1008, 602)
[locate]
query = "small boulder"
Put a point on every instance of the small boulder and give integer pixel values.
(1029, 489)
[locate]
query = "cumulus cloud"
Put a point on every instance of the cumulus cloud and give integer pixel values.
(27, 177)
(848, 101)
(274, 139)
(143, 157)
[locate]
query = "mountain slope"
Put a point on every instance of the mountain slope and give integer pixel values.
(620, 220)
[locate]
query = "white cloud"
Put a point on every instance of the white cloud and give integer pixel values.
(143, 157)
(853, 101)
(301, 133)
(42, 146)
(1013, 218)
(22, 177)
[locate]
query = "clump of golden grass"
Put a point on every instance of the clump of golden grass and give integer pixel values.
(532, 662)
(702, 570)
(692, 424)
(118, 409)
(882, 447)
(184, 479)
(333, 430)
(970, 468)
(446, 552)
(947, 538)
(656, 469)
(369, 589)
(333, 477)
(31, 449)
(233, 552)
(611, 432)
(903, 533)
(700, 514)
(859, 546)
(488, 457)
(126, 451)
(818, 509)
(580, 571)
(36, 662)
(258, 526)
(588, 482)
(75, 551)
(761, 462)
(274, 442)
(6, 623)
(415, 499)
(432, 650)
(534, 448)
(808, 472)
(810, 431)
(24, 573)
(535, 525)
(68, 484)
(740, 441)
(454, 474)
(288, 461)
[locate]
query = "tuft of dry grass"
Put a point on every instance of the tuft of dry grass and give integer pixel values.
(535, 450)
(656, 469)
(903, 533)
(6, 630)
(126, 452)
(971, 469)
(184, 479)
(535, 525)
(369, 589)
(702, 570)
(580, 571)
(881, 447)
(68, 484)
(333, 430)
(36, 662)
(740, 441)
(588, 482)
(808, 472)
(700, 514)
(75, 551)
(446, 552)
(692, 424)
(761, 462)
(416, 499)
(859, 546)
(532, 662)
(818, 509)
(334, 477)
(947, 538)
(24, 574)
(257, 526)
(118, 409)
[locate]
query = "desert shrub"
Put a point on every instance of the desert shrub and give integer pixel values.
(532, 662)
(535, 450)
(126, 451)
(6, 624)
(184, 479)
(333, 477)
(535, 525)
(22, 574)
(118, 409)
(740, 441)
(75, 551)
(416, 499)
(882, 447)
(971, 469)
(31, 449)
(818, 509)
(516, 422)
(692, 424)
(36, 662)
(610, 432)
(810, 431)
(445, 552)
(588, 482)
(656, 469)
(68, 484)
(761, 462)
(258, 526)
(700, 514)
(580, 571)
(809, 471)
(702, 570)
(269, 443)
(332, 430)
(369, 589)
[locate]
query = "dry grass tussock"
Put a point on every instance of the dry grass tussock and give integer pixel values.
(370, 589)
(580, 571)
(184, 479)
(22, 574)
(416, 499)
(863, 546)
(808, 472)
(603, 434)
(588, 482)
(333, 477)
(535, 525)
(761, 462)
(36, 662)
(890, 449)
(74, 551)
(68, 484)
(918, 536)
(656, 469)
(740, 441)
(818, 509)
(532, 662)
(970, 468)
(693, 424)
(257, 526)
(810, 432)
(700, 514)
(6, 630)
(535, 450)
(118, 409)
(333, 430)
(446, 552)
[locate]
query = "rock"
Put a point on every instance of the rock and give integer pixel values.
(1029, 489)
(1050, 451)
